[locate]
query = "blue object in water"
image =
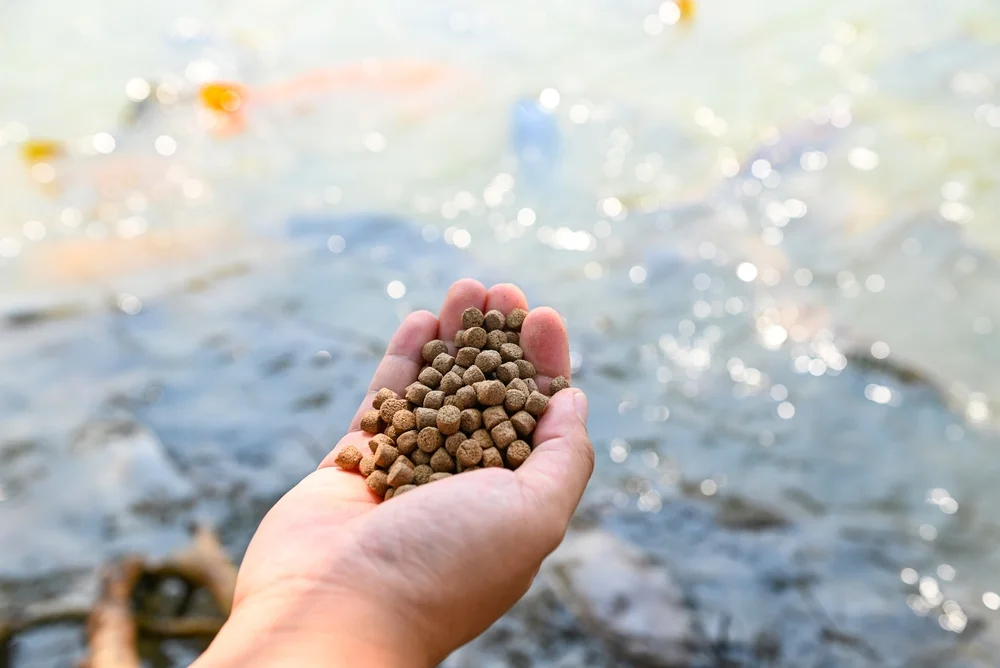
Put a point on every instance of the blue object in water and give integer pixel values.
(536, 142)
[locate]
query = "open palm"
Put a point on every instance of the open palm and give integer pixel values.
(407, 581)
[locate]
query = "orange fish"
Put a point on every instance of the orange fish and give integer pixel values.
(40, 150)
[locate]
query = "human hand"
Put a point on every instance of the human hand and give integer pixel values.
(334, 577)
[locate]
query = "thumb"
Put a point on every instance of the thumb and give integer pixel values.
(560, 465)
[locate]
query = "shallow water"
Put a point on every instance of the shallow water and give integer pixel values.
(770, 230)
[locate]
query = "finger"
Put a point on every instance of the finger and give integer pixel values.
(560, 465)
(402, 361)
(546, 345)
(463, 294)
(505, 297)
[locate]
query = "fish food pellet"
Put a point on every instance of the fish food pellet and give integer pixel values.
(449, 418)
(503, 434)
(441, 462)
(495, 339)
(471, 420)
(432, 349)
(469, 453)
(407, 443)
(378, 482)
(490, 392)
(369, 422)
(348, 458)
(492, 458)
(474, 408)
(472, 317)
(536, 404)
(430, 377)
(422, 474)
(558, 383)
(511, 352)
(493, 416)
(523, 423)
(466, 357)
(494, 320)
(399, 474)
(515, 319)
(429, 439)
(475, 337)
(404, 421)
(377, 440)
(443, 363)
(452, 442)
(382, 396)
(434, 399)
(507, 372)
(517, 453)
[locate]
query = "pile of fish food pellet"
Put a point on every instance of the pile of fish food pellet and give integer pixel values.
(473, 410)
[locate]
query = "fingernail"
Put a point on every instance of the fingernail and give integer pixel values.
(580, 403)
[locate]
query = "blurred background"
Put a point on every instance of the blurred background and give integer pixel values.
(771, 228)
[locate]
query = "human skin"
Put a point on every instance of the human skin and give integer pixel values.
(334, 577)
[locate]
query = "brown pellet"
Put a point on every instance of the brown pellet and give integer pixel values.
(517, 453)
(389, 408)
(558, 383)
(449, 418)
(459, 369)
(389, 493)
(525, 369)
(439, 476)
(399, 474)
(390, 431)
(377, 440)
(532, 385)
(511, 352)
(441, 462)
(483, 437)
(472, 317)
(493, 416)
(430, 377)
(369, 422)
(488, 361)
(492, 458)
(475, 337)
(400, 491)
(494, 320)
(523, 423)
(416, 393)
(426, 417)
(516, 318)
(503, 434)
(536, 404)
(514, 401)
(367, 465)
(404, 459)
(466, 397)
(519, 385)
(460, 338)
(434, 399)
(421, 474)
(473, 375)
(466, 357)
(495, 339)
(420, 457)
(432, 349)
(443, 363)
(513, 337)
(407, 443)
(386, 455)
(378, 482)
(404, 421)
(429, 439)
(348, 458)
(507, 372)
(453, 400)
(451, 382)
(472, 419)
(470, 453)
(452, 442)
(382, 396)
(490, 392)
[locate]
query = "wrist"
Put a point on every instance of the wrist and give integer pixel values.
(263, 632)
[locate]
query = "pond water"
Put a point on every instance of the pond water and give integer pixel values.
(771, 228)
